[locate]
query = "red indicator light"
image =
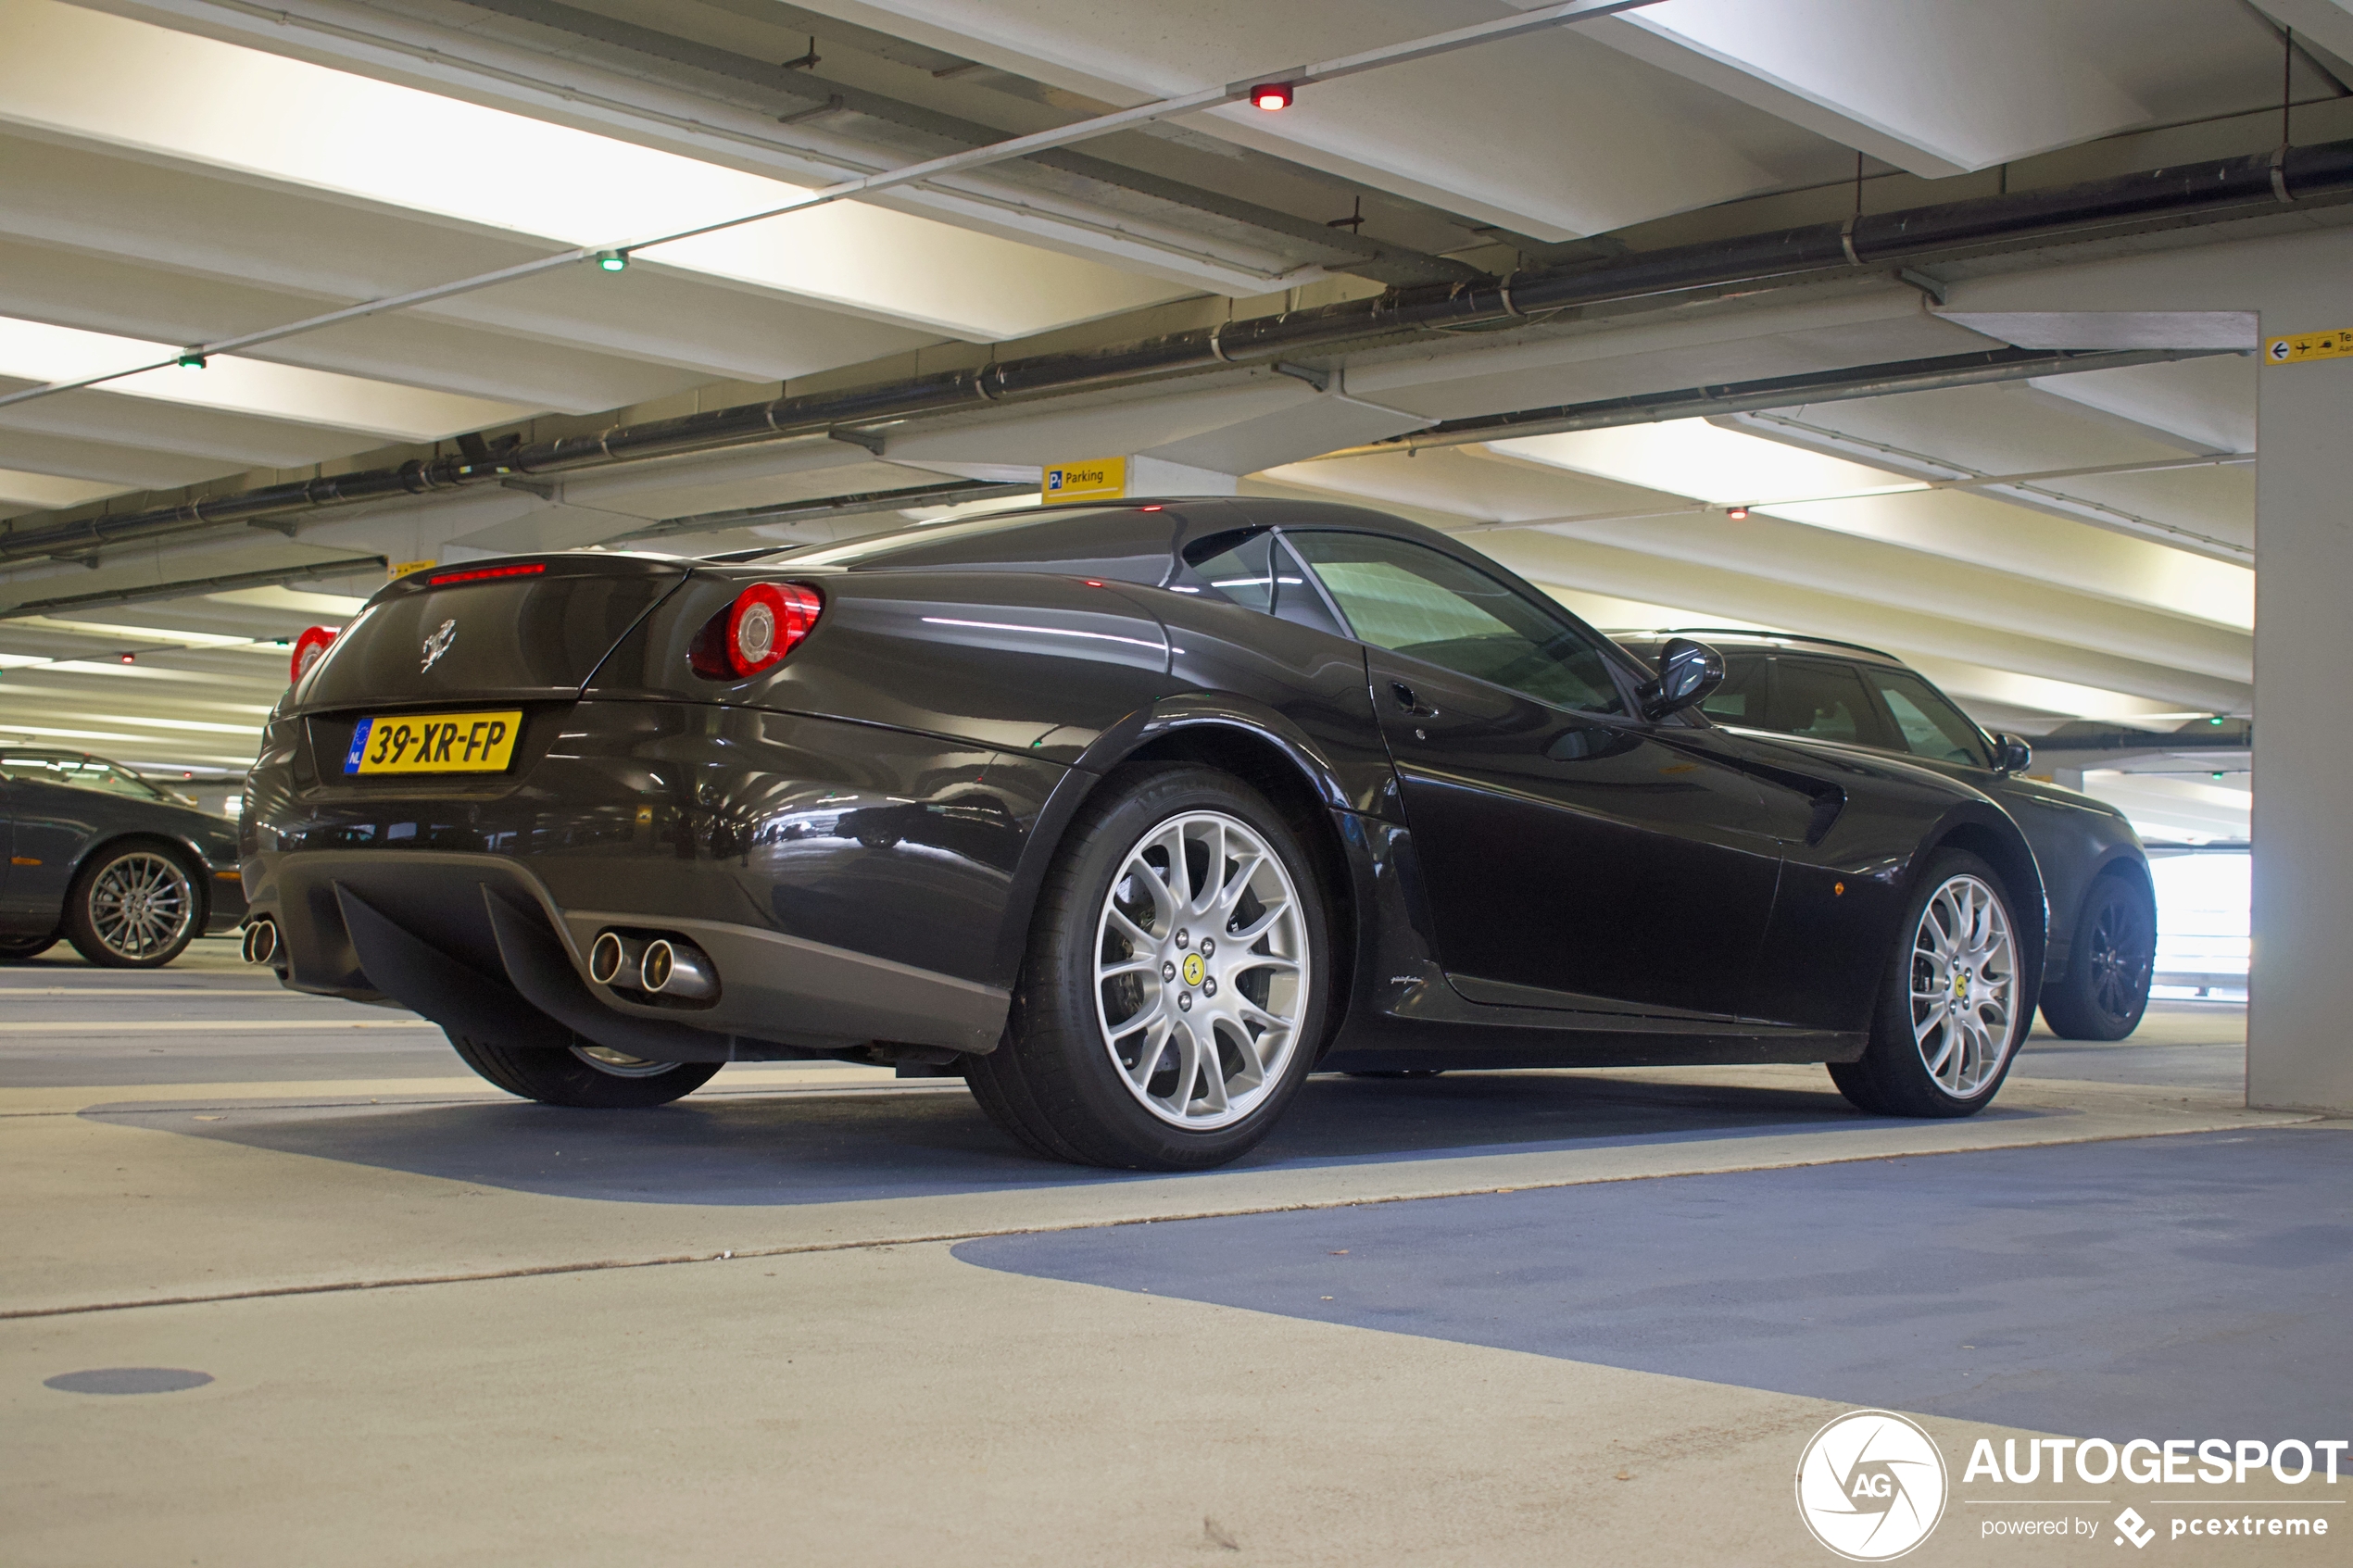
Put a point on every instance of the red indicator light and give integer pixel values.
(131, 658)
(1151, 509)
(1271, 95)
(1738, 514)
(1090, 582)
(767, 621)
(484, 573)
(307, 649)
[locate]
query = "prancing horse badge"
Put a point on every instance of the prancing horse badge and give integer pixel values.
(439, 644)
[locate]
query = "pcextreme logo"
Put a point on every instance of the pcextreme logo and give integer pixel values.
(1870, 1485)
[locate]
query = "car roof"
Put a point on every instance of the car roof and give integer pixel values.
(1092, 538)
(1790, 642)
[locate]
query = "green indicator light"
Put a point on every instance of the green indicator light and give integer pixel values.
(613, 260)
(191, 360)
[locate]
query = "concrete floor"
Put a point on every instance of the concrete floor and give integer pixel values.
(814, 1314)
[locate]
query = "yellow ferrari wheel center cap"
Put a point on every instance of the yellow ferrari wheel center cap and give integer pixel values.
(1194, 969)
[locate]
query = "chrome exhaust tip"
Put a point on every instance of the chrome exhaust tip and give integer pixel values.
(260, 943)
(613, 956)
(677, 969)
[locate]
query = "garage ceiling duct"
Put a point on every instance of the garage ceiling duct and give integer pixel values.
(2159, 196)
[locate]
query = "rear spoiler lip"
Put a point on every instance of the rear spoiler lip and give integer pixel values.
(556, 563)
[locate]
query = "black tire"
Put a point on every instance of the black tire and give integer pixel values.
(17, 949)
(2109, 964)
(1052, 1084)
(97, 921)
(568, 1078)
(1893, 1077)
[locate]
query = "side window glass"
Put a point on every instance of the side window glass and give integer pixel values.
(1824, 700)
(1235, 566)
(1412, 600)
(120, 781)
(1931, 726)
(1741, 700)
(31, 770)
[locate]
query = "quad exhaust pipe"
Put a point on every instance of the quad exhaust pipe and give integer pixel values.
(666, 966)
(260, 943)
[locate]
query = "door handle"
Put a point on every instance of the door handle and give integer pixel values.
(1409, 702)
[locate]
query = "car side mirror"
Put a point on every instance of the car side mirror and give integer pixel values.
(2011, 755)
(1688, 672)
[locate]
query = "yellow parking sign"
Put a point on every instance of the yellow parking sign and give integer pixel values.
(2309, 345)
(1096, 479)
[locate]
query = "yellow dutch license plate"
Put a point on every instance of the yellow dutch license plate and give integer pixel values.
(434, 743)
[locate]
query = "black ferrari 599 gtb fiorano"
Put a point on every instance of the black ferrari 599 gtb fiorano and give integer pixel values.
(1133, 814)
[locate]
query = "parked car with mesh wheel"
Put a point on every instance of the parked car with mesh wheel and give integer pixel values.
(2103, 945)
(122, 868)
(1133, 815)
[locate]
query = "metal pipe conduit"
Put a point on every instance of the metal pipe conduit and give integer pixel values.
(2204, 189)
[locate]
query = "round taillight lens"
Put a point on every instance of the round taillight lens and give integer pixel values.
(764, 623)
(308, 651)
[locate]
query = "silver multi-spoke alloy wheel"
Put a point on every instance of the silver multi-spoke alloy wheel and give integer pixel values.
(141, 904)
(1202, 969)
(621, 1064)
(1964, 986)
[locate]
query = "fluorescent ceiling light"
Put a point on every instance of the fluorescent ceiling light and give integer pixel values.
(62, 696)
(128, 84)
(1694, 457)
(35, 351)
(115, 669)
(143, 636)
(19, 488)
(205, 725)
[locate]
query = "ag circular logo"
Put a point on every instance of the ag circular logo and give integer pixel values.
(1194, 969)
(1870, 1485)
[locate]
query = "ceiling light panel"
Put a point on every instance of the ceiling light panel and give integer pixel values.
(106, 78)
(35, 351)
(1932, 87)
(1694, 457)
(1727, 467)
(2060, 698)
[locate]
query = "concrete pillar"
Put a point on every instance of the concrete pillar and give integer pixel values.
(2299, 1044)
(2301, 1008)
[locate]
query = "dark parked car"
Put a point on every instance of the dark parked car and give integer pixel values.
(1131, 814)
(123, 868)
(2103, 945)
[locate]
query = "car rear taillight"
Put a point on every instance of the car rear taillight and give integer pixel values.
(766, 621)
(307, 651)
